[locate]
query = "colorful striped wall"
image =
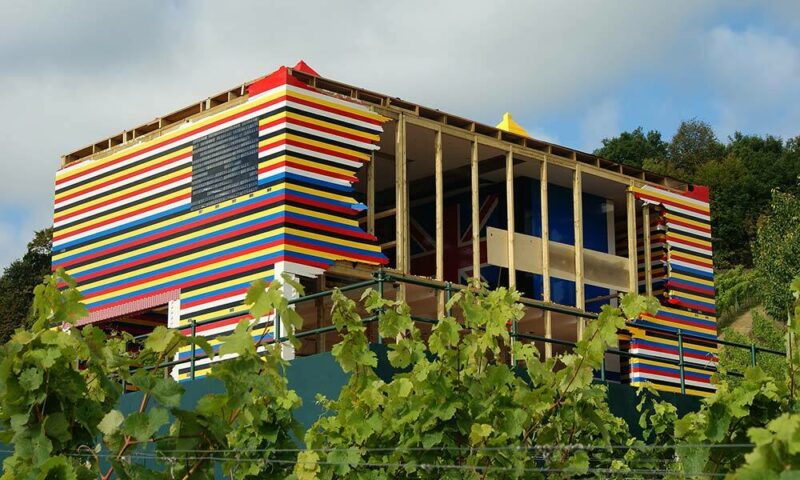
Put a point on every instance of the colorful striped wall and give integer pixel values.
(133, 229)
(683, 241)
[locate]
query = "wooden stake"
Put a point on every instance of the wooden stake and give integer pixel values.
(476, 219)
(633, 272)
(577, 211)
(512, 271)
(548, 317)
(439, 173)
(648, 258)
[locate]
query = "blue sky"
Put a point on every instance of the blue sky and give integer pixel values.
(570, 72)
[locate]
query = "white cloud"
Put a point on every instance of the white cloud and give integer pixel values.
(755, 76)
(600, 121)
(73, 74)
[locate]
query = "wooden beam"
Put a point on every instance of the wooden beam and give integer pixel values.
(510, 249)
(476, 219)
(512, 270)
(599, 268)
(400, 200)
(648, 258)
(577, 212)
(439, 180)
(633, 270)
(608, 171)
(371, 195)
(545, 213)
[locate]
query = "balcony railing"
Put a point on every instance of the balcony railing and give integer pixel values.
(382, 277)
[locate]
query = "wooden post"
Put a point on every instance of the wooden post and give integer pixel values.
(633, 273)
(476, 218)
(548, 317)
(406, 215)
(512, 271)
(439, 173)
(400, 200)
(577, 212)
(648, 258)
(371, 195)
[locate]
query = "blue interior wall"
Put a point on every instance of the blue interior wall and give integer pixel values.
(561, 218)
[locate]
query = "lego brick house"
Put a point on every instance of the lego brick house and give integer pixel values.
(169, 222)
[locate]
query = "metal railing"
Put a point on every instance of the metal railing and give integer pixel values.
(381, 277)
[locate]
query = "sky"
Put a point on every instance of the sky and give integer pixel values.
(72, 73)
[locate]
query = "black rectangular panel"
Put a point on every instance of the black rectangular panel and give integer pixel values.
(225, 164)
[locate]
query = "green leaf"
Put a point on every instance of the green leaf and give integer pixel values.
(718, 422)
(167, 392)
(578, 462)
(404, 387)
(111, 422)
(160, 339)
(142, 426)
(292, 321)
(289, 279)
(202, 342)
(307, 467)
(258, 300)
(31, 379)
(634, 305)
(56, 427)
(57, 468)
(343, 459)
(240, 341)
(479, 432)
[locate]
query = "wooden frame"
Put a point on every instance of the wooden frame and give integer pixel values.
(648, 255)
(545, 213)
(439, 180)
(476, 218)
(577, 212)
(390, 107)
(633, 267)
(512, 271)
(401, 202)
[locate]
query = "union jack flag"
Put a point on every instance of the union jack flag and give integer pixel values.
(457, 239)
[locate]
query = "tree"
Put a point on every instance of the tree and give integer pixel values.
(741, 185)
(632, 148)
(18, 281)
(734, 213)
(777, 252)
(693, 145)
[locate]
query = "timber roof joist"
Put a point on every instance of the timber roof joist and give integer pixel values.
(235, 95)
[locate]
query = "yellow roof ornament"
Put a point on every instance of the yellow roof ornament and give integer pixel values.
(509, 125)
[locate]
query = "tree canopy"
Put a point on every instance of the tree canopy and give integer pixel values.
(633, 148)
(18, 281)
(741, 175)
